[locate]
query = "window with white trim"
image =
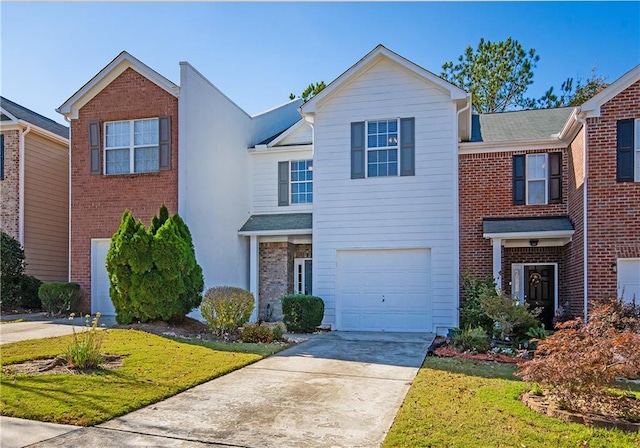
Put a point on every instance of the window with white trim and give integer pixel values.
(301, 181)
(131, 146)
(536, 179)
(382, 148)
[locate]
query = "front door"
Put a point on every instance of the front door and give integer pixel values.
(302, 276)
(539, 291)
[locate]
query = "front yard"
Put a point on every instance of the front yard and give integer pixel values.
(455, 402)
(154, 368)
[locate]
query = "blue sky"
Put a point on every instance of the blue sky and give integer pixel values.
(258, 53)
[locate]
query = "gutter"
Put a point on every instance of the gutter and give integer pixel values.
(21, 185)
(68, 120)
(584, 212)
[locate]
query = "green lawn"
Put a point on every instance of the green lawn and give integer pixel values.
(11, 321)
(460, 403)
(155, 368)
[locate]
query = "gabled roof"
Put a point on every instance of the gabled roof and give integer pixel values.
(114, 69)
(592, 107)
(289, 223)
(520, 125)
(373, 56)
(10, 110)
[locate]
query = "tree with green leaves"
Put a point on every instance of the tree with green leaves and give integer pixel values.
(153, 272)
(569, 96)
(312, 90)
(497, 74)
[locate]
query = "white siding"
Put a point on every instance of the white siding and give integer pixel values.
(213, 193)
(388, 212)
(264, 181)
(301, 136)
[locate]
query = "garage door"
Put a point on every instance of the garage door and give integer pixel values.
(629, 278)
(383, 290)
(100, 300)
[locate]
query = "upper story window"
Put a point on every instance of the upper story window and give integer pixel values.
(301, 181)
(295, 182)
(628, 150)
(382, 148)
(637, 148)
(131, 146)
(537, 178)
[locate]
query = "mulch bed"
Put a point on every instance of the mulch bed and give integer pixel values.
(59, 365)
(446, 351)
(185, 328)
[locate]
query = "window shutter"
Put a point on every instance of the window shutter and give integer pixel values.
(624, 153)
(357, 150)
(407, 147)
(283, 183)
(1, 156)
(94, 147)
(519, 179)
(164, 141)
(555, 177)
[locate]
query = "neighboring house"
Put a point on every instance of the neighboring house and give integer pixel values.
(377, 194)
(34, 188)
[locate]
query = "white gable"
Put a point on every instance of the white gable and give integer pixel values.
(592, 107)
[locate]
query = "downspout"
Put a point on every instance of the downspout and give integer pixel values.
(21, 168)
(69, 204)
(584, 212)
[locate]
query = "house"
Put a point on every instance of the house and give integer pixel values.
(376, 195)
(34, 187)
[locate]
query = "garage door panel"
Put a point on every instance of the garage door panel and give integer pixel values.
(384, 290)
(629, 279)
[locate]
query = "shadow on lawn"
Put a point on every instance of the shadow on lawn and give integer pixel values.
(483, 369)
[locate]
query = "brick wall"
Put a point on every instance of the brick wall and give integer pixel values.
(276, 265)
(486, 192)
(613, 208)
(10, 186)
(98, 201)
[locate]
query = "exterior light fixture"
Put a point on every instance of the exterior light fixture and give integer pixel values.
(533, 243)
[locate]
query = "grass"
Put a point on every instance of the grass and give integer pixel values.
(154, 368)
(460, 403)
(263, 350)
(11, 321)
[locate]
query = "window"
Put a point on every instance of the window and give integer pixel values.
(302, 276)
(637, 149)
(628, 150)
(382, 148)
(537, 178)
(1, 156)
(301, 181)
(132, 146)
(295, 182)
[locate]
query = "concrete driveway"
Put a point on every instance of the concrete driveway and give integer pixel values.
(335, 390)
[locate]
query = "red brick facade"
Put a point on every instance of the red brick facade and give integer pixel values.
(10, 185)
(613, 208)
(98, 201)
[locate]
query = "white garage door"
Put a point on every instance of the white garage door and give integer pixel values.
(383, 290)
(100, 300)
(629, 279)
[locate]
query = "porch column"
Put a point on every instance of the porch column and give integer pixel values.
(497, 262)
(254, 273)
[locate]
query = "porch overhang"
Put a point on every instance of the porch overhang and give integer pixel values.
(529, 232)
(277, 224)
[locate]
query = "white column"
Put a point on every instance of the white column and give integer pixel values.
(254, 273)
(497, 262)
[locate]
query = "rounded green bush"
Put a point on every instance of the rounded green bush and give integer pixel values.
(302, 313)
(226, 308)
(60, 297)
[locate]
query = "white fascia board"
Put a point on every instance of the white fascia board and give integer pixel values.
(114, 69)
(591, 108)
(14, 119)
(264, 149)
(520, 145)
(276, 232)
(524, 235)
(371, 58)
(43, 132)
(293, 128)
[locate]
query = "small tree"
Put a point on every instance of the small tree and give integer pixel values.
(153, 272)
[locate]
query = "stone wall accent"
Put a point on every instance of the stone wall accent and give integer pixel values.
(10, 186)
(98, 201)
(613, 208)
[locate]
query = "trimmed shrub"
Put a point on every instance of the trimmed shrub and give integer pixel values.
(471, 312)
(226, 308)
(29, 293)
(512, 320)
(473, 339)
(11, 270)
(259, 332)
(60, 297)
(302, 313)
(153, 273)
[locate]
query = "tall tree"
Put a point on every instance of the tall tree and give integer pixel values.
(312, 90)
(569, 96)
(497, 74)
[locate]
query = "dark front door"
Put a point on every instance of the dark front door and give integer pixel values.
(539, 291)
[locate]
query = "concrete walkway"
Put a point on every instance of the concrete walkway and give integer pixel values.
(337, 389)
(38, 326)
